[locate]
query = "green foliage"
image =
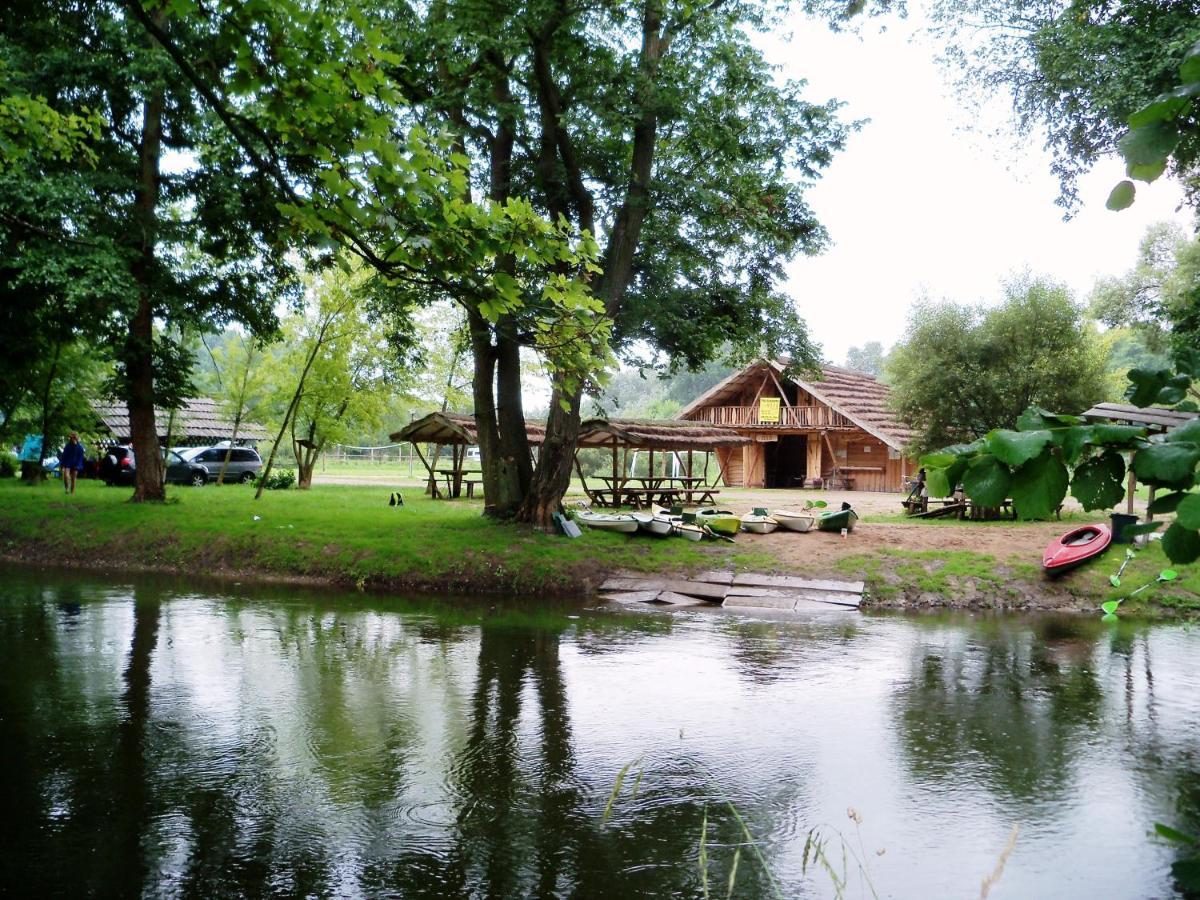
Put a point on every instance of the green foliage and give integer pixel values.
(962, 371)
(1039, 483)
(8, 464)
(1076, 73)
(280, 480)
(869, 358)
(1154, 297)
(1099, 483)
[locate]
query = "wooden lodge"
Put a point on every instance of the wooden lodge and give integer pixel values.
(838, 429)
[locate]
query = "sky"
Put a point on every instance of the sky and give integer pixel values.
(920, 205)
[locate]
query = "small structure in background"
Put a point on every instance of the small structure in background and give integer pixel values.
(837, 431)
(199, 422)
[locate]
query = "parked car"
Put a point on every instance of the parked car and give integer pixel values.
(244, 462)
(119, 466)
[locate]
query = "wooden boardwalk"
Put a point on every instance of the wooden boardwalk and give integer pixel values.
(735, 591)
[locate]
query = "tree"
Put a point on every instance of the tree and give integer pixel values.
(335, 373)
(657, 126)
(235, 374)
(128, 251)
(1076, 72)
(1159, 295)
(963, 370)
(869, 358)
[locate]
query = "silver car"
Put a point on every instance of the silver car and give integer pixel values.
(244, 463)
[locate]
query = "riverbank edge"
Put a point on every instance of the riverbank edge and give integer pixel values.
(884, 574)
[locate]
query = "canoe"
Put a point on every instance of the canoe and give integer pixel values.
(722, 521)
(659, 526)
(837, 519)
(791, 520)
(758, 522)
(1075, 548)
(689, 532)
(607, 521)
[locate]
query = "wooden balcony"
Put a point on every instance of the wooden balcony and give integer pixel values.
(789, 417)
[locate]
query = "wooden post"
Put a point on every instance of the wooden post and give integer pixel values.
(1130, 489)
(1150, 500)
(615, 487)
(432, 481)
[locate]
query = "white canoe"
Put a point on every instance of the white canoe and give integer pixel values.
(659, 526)
(758, 524)
(793, 521)
(608, 521)
(690, 532)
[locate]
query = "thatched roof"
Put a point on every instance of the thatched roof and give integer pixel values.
(658, 434)
(1156, 418)
(454, 428)
(200, 420)
(862, 399)
(647, 434)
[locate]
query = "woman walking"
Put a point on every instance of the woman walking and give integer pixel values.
(70, 462)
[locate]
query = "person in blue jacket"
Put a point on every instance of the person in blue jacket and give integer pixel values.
(70, 462)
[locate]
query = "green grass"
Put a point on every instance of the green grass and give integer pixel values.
(340, 532)
(889, 571)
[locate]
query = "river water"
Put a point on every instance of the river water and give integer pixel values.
(167, 740)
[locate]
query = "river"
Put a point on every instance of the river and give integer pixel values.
(167, 739)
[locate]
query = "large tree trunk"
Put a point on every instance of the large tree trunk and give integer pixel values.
(553, 475)
(562, 427)
(139, 345)
(501, 484)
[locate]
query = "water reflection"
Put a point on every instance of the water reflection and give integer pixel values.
(161, 742)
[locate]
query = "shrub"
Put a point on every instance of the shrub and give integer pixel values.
(8, 465)
(281, 480)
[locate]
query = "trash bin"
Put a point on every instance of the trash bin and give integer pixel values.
(1121, 521)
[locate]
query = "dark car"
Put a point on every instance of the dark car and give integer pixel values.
(119, 466)
(244, 463)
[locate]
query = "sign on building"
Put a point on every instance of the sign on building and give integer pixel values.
(768, 410)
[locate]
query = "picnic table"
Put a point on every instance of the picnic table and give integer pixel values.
(643, 490)
(843, 476)
(456, 481)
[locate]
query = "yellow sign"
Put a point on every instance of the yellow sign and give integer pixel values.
(768, 410)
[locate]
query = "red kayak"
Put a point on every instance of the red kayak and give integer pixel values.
(1075, 548)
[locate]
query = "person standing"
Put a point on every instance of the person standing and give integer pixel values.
(70, 462)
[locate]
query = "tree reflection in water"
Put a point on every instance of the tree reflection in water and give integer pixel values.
(999, 707)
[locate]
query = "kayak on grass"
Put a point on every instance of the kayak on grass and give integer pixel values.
(1076, 547)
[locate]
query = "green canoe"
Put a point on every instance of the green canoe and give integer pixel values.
(837, 519)
(722, 521)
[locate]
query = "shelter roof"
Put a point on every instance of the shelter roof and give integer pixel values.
(454, 428)
(860, 397)
(199, 419)
(657, 434)
(1153, 417)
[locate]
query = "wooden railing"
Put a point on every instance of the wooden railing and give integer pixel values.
(789, 417)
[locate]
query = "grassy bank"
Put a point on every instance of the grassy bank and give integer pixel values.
(343, 534)
(349, 536)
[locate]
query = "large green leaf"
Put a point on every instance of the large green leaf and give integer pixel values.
(1175, 390)
(1188, 432)
(1189, 69)
(1166, 106)
(1188, 512)
(1166, 503)
(1015, 448)
(987, 480)
(937, 484)
(1122, 196)
(1039, 486)
(1149, 144)
(940, 459)
(1035, 417)
(1146, 383)
(1072, 441)
(1098, 483)
(1117, 436)
(1167, 465)
(1182, 545)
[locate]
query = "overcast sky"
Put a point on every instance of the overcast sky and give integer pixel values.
(917, 205)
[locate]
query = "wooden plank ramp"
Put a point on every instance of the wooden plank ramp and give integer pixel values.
(736, 591)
